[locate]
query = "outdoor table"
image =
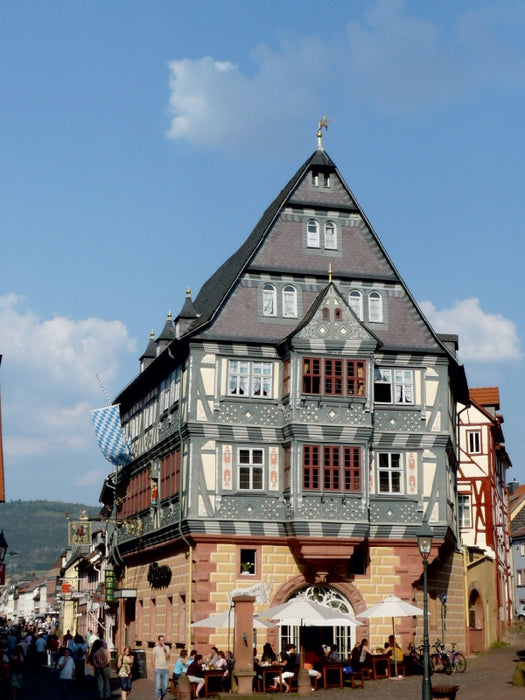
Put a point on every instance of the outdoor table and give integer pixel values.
(333, 676)
(213, 682)
(380, 666)
(268, 673)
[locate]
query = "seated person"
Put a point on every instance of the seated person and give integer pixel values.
(288, 660)
(392, 646)
(181, 665)
(195, 673)
(333, 655)
(312, 660)
(360, 655)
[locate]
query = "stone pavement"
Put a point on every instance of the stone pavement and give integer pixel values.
(488, 675)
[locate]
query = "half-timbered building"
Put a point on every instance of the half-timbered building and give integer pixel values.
(484, 519)
(291, 428)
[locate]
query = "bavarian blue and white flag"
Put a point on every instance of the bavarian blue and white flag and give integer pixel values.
(111, 439)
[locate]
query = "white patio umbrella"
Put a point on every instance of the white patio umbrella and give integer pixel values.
(393, 607)
(304, 612)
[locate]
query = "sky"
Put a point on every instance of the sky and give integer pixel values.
(140, 143)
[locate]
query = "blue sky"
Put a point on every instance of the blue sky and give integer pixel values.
(142, 141)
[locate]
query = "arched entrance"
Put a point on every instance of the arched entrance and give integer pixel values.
(476, 622)
(322, 637)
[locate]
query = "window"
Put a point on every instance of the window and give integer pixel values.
(326, 179)
(315, 178)
(338, 314)
(331, 468)
(250, 379)
(250, 466)
(289, 301)
(355, 301)
(334, 377)
(248, 560)
(464, 510)
(330, 236)
(326, 314)
(312, 234)
(394, 386)
(519, 577)
(269, 300)
(474, 442)
(375, 307)
(390, 472)
(522, 549)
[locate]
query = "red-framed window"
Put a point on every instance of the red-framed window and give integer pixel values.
(332, 467)
(170, 475)
(334, 377)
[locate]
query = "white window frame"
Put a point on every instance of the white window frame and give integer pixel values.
(522, 549)
(250, 379)
(390, 465)
(464, 510)
(375, 307)
(313, 238)
(401, 383)
(326, 179)
(330, 235)
(315, 178)
(355, 301)
(250, 468)
(269, 300)
(289, 301)
(474, 442)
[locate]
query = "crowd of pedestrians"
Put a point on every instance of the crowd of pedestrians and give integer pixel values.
(25, 649)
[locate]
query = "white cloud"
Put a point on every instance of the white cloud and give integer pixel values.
(396, 60)
(49, 386)
(483, 337)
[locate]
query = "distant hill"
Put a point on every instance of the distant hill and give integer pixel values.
(37, 532)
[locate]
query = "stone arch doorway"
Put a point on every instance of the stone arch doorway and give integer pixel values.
(317, 638)
(476, 622)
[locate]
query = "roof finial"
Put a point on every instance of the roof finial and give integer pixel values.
(329, 272)
(323, 122)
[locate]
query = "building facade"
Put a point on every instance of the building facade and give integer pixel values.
(291, 429)
(485, 525)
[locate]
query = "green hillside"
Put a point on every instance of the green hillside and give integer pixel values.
(37, 532)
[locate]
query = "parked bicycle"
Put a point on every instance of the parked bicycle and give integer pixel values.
(416, 654)
(458, 662)
(447, 661)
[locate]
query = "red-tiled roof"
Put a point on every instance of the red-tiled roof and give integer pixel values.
(486, 396)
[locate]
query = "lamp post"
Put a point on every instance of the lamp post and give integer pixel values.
(3, 546)
(424, 542)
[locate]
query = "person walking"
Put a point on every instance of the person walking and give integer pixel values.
(99, 659)
(124, 665)
(66, 674)
(159, 661)
(79, 657)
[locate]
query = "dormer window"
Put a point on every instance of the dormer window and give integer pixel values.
(338, 314)
(375, 307)
(330, 236)
(269, 300)
(326, 177)
(355, 301)
(326, 314)
(315, 178)
(312, 234)
(289, 301)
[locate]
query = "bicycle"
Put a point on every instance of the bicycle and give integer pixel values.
(416, 653)
(440, 660)
(458, 662)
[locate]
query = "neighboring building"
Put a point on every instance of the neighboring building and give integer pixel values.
(484, 519)
(291, 430)
(517, 514)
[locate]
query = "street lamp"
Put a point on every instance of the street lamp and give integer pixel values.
(3, 546)
(424, 542)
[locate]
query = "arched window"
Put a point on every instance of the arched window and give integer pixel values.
(326, 314)
(338, 314)
(289, 301)
(375, 307)
(355, 301)
(330, 235)
(269, 300)
(312, 234)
